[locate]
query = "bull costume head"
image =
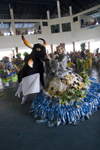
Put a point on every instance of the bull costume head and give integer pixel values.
(38, 51)
(32, 73)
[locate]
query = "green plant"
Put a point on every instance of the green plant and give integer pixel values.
(80, 65)
(85, 77)
(72, 94)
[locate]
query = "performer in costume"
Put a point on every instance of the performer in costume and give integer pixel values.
(57, 71)
(7, 73)
(32, 73)
(8, 64)
(83, 50)
(67, 97)
(88, 60)
(62, 100)
(81, 62)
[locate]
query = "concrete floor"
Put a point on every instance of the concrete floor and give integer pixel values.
(18, 130)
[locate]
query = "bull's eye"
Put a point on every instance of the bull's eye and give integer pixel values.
(38, 49)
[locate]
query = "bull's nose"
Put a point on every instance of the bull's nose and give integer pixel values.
(44, 58)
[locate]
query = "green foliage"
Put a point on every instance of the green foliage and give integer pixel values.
(72, 94)
(85, 77)
(81, 65)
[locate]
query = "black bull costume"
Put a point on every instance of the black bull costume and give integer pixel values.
(32, 73)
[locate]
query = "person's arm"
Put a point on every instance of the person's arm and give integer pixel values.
(48, 57)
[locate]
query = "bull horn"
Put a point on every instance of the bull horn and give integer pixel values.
(27, 43)
(44, 42)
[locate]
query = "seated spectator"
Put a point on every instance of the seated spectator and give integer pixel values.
(26, 31)
(89, 24)
(86, 24)
(82, 25)
(94, 21)
(18, 32)
(39, 31)
(35, 32)
(8, 64)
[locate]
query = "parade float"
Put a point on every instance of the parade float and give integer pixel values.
(67, 97)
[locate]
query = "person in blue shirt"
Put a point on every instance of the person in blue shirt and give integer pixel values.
(8, 64)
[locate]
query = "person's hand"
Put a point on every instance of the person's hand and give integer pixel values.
(48, 57)
(41, 60)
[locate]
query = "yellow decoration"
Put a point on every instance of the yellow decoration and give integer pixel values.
(69, 64)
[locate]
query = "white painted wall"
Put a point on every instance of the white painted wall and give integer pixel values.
(6, 42)
(68, 48)
(55, 38)
(76, 35)
(94, 45)
(5, 30)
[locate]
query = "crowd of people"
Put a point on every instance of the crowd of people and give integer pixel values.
(79, 59)
(59, 54)
(89, 23)
(18, 32)
(10, 64)
(9, 69)
(82, 60)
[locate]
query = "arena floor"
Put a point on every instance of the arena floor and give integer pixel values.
(18, 130)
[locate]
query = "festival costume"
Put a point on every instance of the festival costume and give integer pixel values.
(31, 74)
(89, 61)
(81, 64)
(7, 75)
(66, 98)
(8, 65)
